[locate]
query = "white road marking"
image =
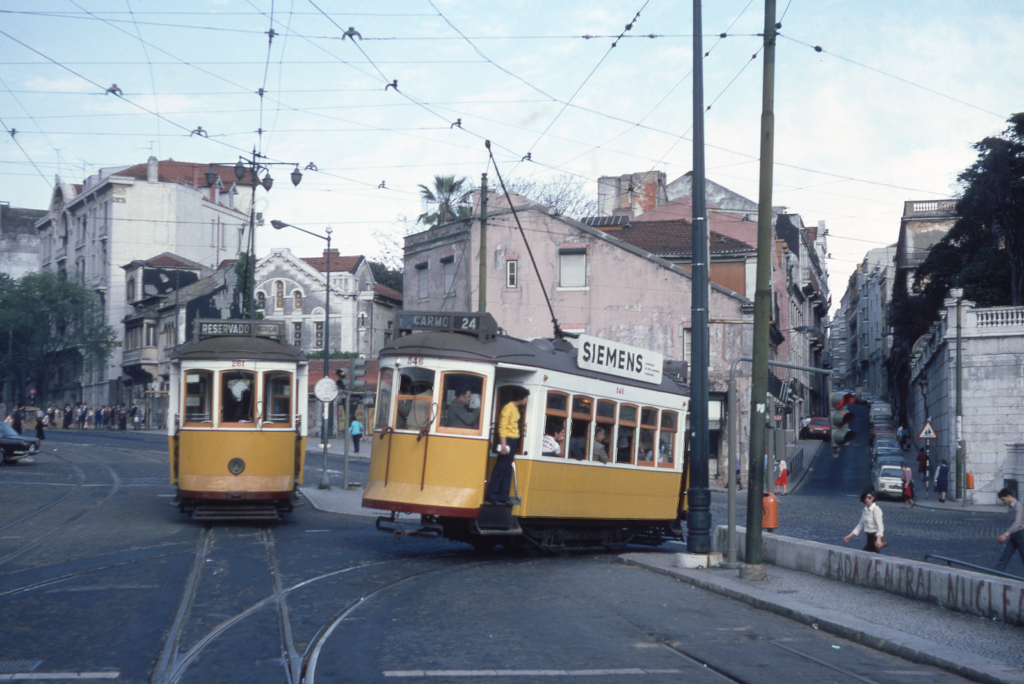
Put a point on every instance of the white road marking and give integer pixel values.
(525, 673)
(48, 676)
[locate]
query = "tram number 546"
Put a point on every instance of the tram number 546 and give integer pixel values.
(414, 361)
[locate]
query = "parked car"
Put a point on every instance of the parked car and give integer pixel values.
(880, 411)
(885, 443)
(819, 427)
(881, 427)
(16, 447)
(887, 458)
(887, 481)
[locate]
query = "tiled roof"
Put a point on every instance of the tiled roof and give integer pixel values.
(738, 226)
(168, 260)
(389, 292)
(188, 173)
(675, 238)
(339, 264)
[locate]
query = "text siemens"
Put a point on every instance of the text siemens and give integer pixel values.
(612, 357)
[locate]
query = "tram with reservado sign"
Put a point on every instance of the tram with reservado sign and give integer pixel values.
(602, 458)
(237, 433)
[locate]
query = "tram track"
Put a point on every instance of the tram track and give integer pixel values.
(116, 484)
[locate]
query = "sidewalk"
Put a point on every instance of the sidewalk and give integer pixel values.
(976, 648)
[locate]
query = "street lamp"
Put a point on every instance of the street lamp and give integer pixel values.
(325, 483)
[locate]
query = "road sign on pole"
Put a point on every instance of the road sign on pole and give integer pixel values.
(927, 432)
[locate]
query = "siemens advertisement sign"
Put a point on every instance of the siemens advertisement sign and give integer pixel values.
(623, 360)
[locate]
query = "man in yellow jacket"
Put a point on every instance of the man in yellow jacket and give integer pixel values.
(508, 434)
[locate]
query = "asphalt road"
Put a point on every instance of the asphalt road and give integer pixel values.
(100, 577)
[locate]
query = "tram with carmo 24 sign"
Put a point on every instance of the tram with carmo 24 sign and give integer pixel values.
(237, 437)
(601, 462)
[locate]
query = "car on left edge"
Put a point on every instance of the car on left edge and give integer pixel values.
(14, 446)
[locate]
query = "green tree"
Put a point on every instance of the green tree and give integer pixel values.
(991, 210)
(243, 284)
(450, 198)
(48, 320)
(390, 277)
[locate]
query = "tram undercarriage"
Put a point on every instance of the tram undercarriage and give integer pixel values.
(496, 525)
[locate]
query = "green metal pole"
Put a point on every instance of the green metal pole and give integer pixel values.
(482, 295)
(762, 307)
(960, 464)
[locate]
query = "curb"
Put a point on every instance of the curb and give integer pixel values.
(885, 639)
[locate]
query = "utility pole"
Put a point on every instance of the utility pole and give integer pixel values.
(698, 519)
(482, 295)
(754, 567)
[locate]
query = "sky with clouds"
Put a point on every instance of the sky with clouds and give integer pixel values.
(885, 112)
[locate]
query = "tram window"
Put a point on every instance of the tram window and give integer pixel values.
(461, 398)
(384, 400)
(667, 445)
(236, 396)
(415, 399)
(198, 397)
(579, 433)
(556, 417)
(277, 399)
(625, 442)
(604, 431)
(648, 433)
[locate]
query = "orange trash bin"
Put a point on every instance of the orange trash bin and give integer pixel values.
(969, 480)
(770, 512)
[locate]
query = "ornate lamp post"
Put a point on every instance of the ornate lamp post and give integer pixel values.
(325, 483)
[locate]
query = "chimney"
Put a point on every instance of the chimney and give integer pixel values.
(152, 170)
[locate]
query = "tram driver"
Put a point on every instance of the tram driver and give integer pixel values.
(460, 414)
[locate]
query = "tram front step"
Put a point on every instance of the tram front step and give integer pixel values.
(237, 512)
(497, 520)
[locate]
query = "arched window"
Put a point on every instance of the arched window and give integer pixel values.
(261, 300)
(297, 302)
(279, 295)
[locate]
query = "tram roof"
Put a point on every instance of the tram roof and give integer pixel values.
(239, 347)
(558, 355)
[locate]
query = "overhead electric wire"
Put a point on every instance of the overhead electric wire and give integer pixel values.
(14, 137)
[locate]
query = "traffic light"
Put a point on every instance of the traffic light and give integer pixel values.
(840, 418)
(357, 370)
(339, 379)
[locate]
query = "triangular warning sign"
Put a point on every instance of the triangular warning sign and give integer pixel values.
(927, 432)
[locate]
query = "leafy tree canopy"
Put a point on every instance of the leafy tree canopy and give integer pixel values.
(390, 277)
(45, 319)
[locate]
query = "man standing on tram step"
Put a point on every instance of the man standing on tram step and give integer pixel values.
(1014, 535)
(508, 435)
(356, 430)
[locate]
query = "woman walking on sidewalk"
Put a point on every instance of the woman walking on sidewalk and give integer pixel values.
(871, 523)
(908, 487)
(942, 480)
(783, 478)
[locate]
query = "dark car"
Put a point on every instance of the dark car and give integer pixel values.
(819, 428)
(16, 447)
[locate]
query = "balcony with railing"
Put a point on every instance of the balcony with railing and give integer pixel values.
(140, 356)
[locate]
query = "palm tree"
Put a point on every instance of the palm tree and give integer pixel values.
(450, 197)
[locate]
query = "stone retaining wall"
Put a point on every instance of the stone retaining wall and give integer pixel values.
(961, 590)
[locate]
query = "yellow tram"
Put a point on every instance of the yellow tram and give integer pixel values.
(615, 475)
(237, 437)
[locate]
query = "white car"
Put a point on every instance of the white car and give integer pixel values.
(888, 481)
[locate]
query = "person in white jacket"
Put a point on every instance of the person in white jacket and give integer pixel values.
(871, 523)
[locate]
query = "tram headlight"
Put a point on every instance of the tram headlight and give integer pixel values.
(236, 466)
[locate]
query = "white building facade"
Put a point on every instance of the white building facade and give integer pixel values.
(124, 214)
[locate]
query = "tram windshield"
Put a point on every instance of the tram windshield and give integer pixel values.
(198, 396)
(236, 394)
(384, 401)
(415, 399)
(277, 399)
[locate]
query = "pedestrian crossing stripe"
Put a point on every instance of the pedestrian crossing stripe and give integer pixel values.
(927, 432)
